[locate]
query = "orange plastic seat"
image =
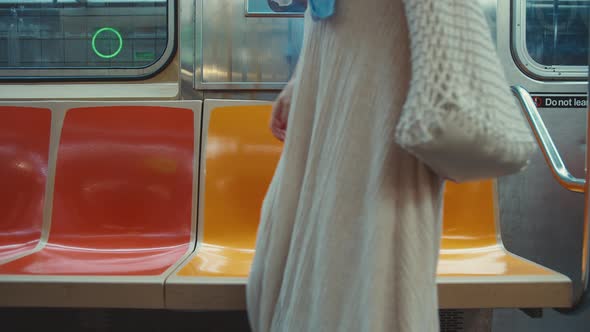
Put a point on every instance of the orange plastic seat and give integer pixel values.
(24, 153)
(238, 172)
(476, 271)
(122, 208)
(239, 155)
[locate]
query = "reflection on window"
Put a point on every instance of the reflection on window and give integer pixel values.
(557, 32)
(276, 6)
(82, 33)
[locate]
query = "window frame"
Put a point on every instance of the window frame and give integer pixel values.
(525, 61)
(101, 74)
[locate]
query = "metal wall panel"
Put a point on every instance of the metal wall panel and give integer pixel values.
(238, 52)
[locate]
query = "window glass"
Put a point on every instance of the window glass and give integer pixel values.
(86, 34)
(557, 32)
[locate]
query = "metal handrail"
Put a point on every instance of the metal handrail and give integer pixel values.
(550, 152)
(567, 180)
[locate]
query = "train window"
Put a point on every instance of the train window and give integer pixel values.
(84, 38)
(551, 37)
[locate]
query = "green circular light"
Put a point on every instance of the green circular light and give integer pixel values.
(102, 55)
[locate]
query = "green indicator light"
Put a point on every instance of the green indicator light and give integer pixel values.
(102, 55)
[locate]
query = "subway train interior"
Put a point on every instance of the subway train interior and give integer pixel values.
(135, 154)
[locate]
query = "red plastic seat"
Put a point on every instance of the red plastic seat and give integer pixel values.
(123, 202)
(24, 150)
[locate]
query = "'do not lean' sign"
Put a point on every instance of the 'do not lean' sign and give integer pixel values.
(546, 101)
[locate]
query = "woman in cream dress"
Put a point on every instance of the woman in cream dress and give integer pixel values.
(350, 227)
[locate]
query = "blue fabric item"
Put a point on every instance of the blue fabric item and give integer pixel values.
(321, 9)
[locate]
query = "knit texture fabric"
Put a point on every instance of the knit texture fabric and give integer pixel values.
(460, 117)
